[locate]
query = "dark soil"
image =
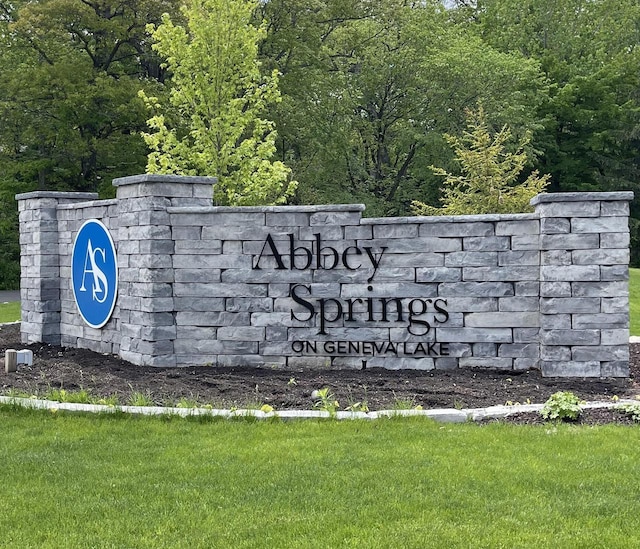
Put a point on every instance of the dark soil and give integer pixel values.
(107, 375)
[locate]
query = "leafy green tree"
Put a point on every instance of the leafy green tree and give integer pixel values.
(70, 117)
(9, 245)
(72, 70)
(369, 89)
(589, 51)
(489, 179)
(213, 123)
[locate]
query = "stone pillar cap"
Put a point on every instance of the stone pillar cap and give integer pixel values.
(581, 197)
(162, 178)
(57, 194)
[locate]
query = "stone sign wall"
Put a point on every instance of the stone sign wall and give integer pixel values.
(319, 286)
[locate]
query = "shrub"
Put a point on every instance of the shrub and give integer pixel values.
(630, 410)
(563, 405)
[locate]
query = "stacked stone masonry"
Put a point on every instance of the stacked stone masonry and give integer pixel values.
(319, 286)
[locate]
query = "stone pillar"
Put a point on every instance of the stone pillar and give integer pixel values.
(145, 260)
(40, 263)
(584, 295)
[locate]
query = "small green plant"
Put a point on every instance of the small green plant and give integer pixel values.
(516, 402)
(187, 403)
(111, 400)
(405, 403)
(256, 402)
(62, 395)
(140, 399)
(563, 405)
(58, 395)
(292, 381)
(82, 396)
(17, 393)
(358, 407)
(325, 400)
(630, 410)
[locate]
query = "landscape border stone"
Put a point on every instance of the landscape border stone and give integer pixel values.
(441, 415)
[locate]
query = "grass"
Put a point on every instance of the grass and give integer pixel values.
(62, 395)
(120, 481)
(9, 312)
(85, 481)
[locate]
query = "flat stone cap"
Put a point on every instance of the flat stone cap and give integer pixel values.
(59, 195)
(581, 197)
(433, 219)
(164, 178)
(269, 209)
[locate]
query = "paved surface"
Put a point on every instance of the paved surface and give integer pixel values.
(6, 296)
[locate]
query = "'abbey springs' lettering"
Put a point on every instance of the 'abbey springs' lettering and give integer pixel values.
(301, 258)
(418, 314)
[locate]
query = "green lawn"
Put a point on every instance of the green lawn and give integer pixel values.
(118, 481)
(9, 312)
(91, 481)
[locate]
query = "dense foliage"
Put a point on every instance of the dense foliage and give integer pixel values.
(489, 179)
(69, 108)
(214, 121)
(368, 90)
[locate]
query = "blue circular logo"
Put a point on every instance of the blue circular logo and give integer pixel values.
(94, 273)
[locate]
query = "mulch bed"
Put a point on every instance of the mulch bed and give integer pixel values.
(102, 375)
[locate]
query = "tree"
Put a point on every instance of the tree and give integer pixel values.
(370, 87)
(213, 123)
(69, 106)
(589, 52)
(70, 117)
(488, 183)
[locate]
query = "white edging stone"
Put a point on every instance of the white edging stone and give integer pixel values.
(441, 415)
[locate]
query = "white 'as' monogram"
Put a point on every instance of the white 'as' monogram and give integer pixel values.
(100, 283)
